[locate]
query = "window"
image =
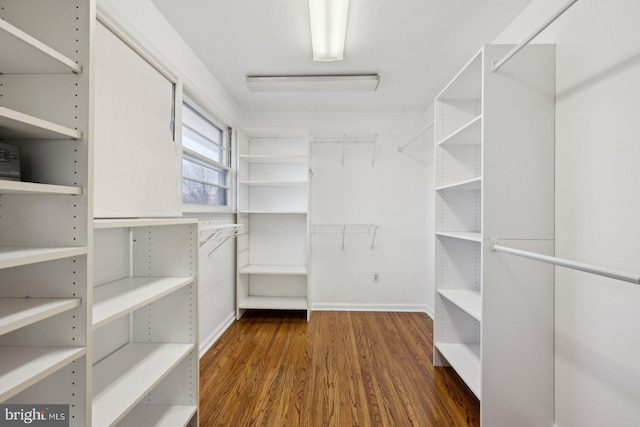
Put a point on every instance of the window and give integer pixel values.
(205, 160)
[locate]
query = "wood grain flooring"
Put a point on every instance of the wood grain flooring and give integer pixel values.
(339, 369)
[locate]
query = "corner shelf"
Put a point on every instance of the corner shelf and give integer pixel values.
(125, 377)
(21, 367)
(16, 313)
(21, 53)
(16, 125)
(115, 299)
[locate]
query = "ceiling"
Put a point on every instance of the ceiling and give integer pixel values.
(415, 45)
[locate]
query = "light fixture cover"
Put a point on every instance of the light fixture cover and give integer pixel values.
(314, 83)
(328, 28)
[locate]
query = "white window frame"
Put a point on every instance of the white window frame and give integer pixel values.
(207, 162)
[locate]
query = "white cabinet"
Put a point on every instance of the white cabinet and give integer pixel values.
(145, 334)
(494, 175)
(273, 204)
(45, 219)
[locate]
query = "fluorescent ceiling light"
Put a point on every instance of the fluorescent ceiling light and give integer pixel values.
(314, 83)
(328, 28)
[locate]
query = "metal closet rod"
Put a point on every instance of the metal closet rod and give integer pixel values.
(496, 66)
(588, 268)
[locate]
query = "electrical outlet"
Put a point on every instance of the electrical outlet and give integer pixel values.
(376, 277)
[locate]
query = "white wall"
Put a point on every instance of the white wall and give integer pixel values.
(597, 369)
(216, 284)
(391, 193)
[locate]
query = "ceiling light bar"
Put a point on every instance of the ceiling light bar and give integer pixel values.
(328, 28)
(314, 83)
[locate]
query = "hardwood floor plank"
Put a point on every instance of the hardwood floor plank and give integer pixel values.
(338, 369)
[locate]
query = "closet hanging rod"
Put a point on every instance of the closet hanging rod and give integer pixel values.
(349, 139)
(426, 128)
(496, 65)
(588, 268)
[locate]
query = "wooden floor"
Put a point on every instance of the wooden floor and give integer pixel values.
(339, 369)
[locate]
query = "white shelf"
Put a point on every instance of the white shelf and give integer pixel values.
(274, 159)
(274, 269)
(118, 298)
(122, 379)
(274, 303)
(17, 256)
(148, 415)
(468, 134)
(16, 125)
(16, 313)
(19, 187)
(462, 235)
(22, 54)
(468, 184)
(469, 301)
(21, 367)
(140, 222)
(274, 183)
(274, 212)
(465, 359)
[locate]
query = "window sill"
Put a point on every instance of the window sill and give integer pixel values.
(186, 208)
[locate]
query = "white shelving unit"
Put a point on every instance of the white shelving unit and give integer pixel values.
(145, 349)
(494, 178)
(273, 206)
(45, 75)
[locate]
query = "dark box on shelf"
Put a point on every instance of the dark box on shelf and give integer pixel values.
(9, 162)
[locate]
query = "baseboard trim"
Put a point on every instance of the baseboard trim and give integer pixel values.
(206, 344)
(338, 306)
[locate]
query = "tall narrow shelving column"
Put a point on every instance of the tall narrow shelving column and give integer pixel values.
(494, 162)
(145, 323)
(45, 219)
(273, 205)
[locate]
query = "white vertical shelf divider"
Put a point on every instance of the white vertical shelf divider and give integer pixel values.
(273, 210)
(494, 169)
